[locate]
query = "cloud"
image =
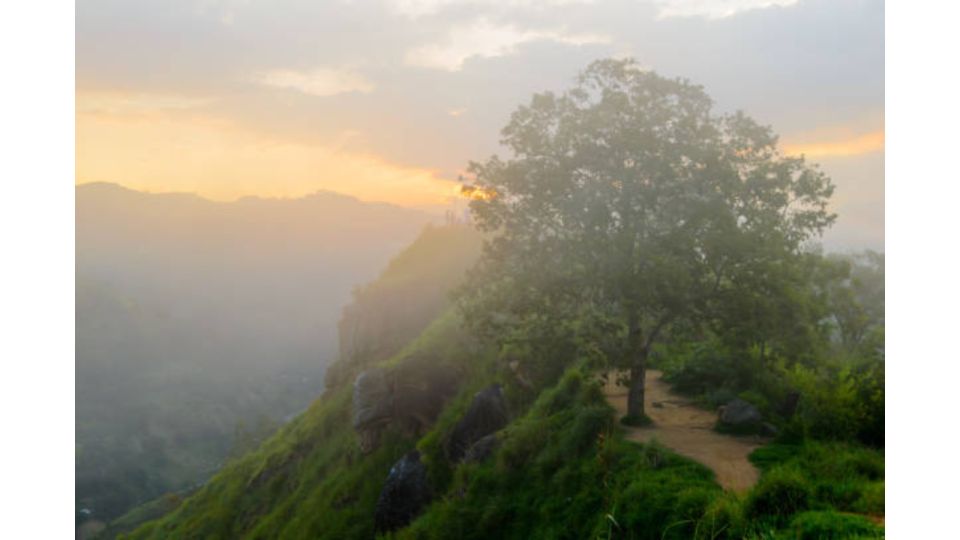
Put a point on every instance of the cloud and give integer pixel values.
(124, 104)
(848, 146)
(483, 39)
(321, 82)
(714, 9)
(415, 9)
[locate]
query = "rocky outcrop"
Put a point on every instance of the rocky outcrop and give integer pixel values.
(405, 493)
(408, 396)
(372, 406)
(740, 416)
(487, 413)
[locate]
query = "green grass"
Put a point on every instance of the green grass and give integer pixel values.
(845, 477)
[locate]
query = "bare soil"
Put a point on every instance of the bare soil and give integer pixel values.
(687, 429)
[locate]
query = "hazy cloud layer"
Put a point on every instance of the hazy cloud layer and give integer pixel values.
(427, 84)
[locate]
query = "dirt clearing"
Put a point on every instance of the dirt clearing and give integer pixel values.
(687, 429)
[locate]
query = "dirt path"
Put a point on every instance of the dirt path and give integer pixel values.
(688, 430)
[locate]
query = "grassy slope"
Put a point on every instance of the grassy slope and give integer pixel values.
(562, 471)
(559, 472)
(309, 480)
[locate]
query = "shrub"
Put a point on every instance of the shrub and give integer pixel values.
(871, 500)
(781, 492)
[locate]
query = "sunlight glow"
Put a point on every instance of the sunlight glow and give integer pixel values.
(157, 149)
(851, 146)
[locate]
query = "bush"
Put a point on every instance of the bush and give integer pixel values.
(781, 492)
(871, 500)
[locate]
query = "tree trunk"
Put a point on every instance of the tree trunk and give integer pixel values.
(638, 375)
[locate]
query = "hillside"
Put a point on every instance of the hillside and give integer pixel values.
(446, 438)
(210, 322)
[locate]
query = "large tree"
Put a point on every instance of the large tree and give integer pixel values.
(629, 193)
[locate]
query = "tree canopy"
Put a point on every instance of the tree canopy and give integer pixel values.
(629, 193)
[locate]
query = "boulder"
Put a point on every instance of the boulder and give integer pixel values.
(481, 449)
(421, 387)
(372, 398)
(739, 415)
(408, 396)
(404, 495)
(372, 407)
(487, 414)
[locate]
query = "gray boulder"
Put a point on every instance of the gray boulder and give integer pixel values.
(420, 390)
(739, 415)
(405, 493)
(487, 414)
(372, 407)
(372, 398)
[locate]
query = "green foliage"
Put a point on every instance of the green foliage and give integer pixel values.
(841, 396)
(837, 476)
(781, 493)
(844, 402)
(829, 525)
(563, 472)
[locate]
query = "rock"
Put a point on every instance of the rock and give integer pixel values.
(420, 390)
(408, 396)
(372, 399)
(405, 493)
(739, 415)
(481, 449)
(372, 407)
(769, 429)
(487, 414)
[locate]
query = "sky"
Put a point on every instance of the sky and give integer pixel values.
(389, 100)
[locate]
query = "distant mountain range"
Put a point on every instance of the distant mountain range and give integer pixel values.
(198, 321)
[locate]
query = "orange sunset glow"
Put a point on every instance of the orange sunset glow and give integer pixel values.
(162, 145)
